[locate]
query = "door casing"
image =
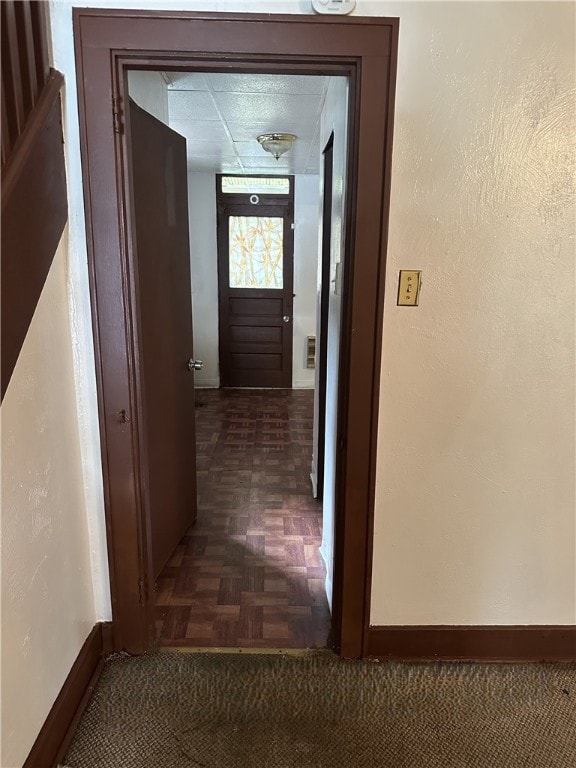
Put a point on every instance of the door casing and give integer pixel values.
(108, 43)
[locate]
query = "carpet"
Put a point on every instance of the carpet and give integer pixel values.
(171, 709)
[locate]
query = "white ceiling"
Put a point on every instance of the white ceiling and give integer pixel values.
(221, 115)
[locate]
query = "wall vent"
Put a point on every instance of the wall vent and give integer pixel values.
(310, 351)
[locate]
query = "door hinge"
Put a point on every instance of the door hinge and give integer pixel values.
(117, 116)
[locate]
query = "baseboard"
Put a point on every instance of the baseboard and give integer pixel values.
(314, 483)
(207, 384)
(58, 729)
(473, 643)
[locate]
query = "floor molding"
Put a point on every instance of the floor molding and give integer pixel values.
(473, 643)
(60, 725)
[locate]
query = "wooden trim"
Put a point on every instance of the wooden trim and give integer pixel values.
(107, 43)
(379, 330)
(62, 721)
(473, 643)
(34, 212)
(107, 638)
(34, 126)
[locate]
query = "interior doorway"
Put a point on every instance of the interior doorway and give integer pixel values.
(250, 572)
(364, 50)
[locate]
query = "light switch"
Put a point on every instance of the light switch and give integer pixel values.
(409, 287)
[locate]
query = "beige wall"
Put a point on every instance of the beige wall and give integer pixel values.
(475, 503)
(150, 91)
(47, 598)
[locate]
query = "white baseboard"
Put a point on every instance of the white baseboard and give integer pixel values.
(302, 384)
(207, 384)
(314, 480)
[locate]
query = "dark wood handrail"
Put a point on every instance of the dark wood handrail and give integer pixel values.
(18, 157)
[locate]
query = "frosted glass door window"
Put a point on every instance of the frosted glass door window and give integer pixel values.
(255, 251)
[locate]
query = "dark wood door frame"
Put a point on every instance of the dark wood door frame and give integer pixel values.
(108, 43)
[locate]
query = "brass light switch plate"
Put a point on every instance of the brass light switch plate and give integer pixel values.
(409, 287)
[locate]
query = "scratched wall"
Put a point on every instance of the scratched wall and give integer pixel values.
(47, 597)
(475, 504)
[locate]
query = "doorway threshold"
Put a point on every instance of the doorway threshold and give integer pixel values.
(246, 651)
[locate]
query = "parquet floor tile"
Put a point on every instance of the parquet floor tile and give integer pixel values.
(249, 572)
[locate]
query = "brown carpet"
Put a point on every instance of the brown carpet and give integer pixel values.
(174, 709)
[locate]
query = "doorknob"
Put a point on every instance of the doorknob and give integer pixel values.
(286, 318)
(195, 365)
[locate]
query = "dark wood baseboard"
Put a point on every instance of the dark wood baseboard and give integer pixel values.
(473, 643)
(58, 729)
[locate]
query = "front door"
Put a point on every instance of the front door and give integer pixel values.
(162, 259)
(255, 284)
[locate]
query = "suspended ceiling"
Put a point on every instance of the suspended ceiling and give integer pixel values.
(221, 114)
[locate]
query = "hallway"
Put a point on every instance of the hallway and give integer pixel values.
(249, 573)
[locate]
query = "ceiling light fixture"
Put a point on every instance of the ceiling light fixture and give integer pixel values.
(276, 143)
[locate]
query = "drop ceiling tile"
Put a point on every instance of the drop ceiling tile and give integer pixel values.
(282, 165)
(200, 130)
(249, 149)
(199, 148)
(191, 105)
(248, 131)
(240, 108)
(271, 84)
(212, 162)
(188, 81)
(299, 151)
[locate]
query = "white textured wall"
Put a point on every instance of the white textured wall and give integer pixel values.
(47, 598)
(203, 246)
(62, 58)
(204, 273)
(150, 91)
(475, 506)
(334, 119)
(306, 234)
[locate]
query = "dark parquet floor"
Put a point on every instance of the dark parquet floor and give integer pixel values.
(249, 572)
